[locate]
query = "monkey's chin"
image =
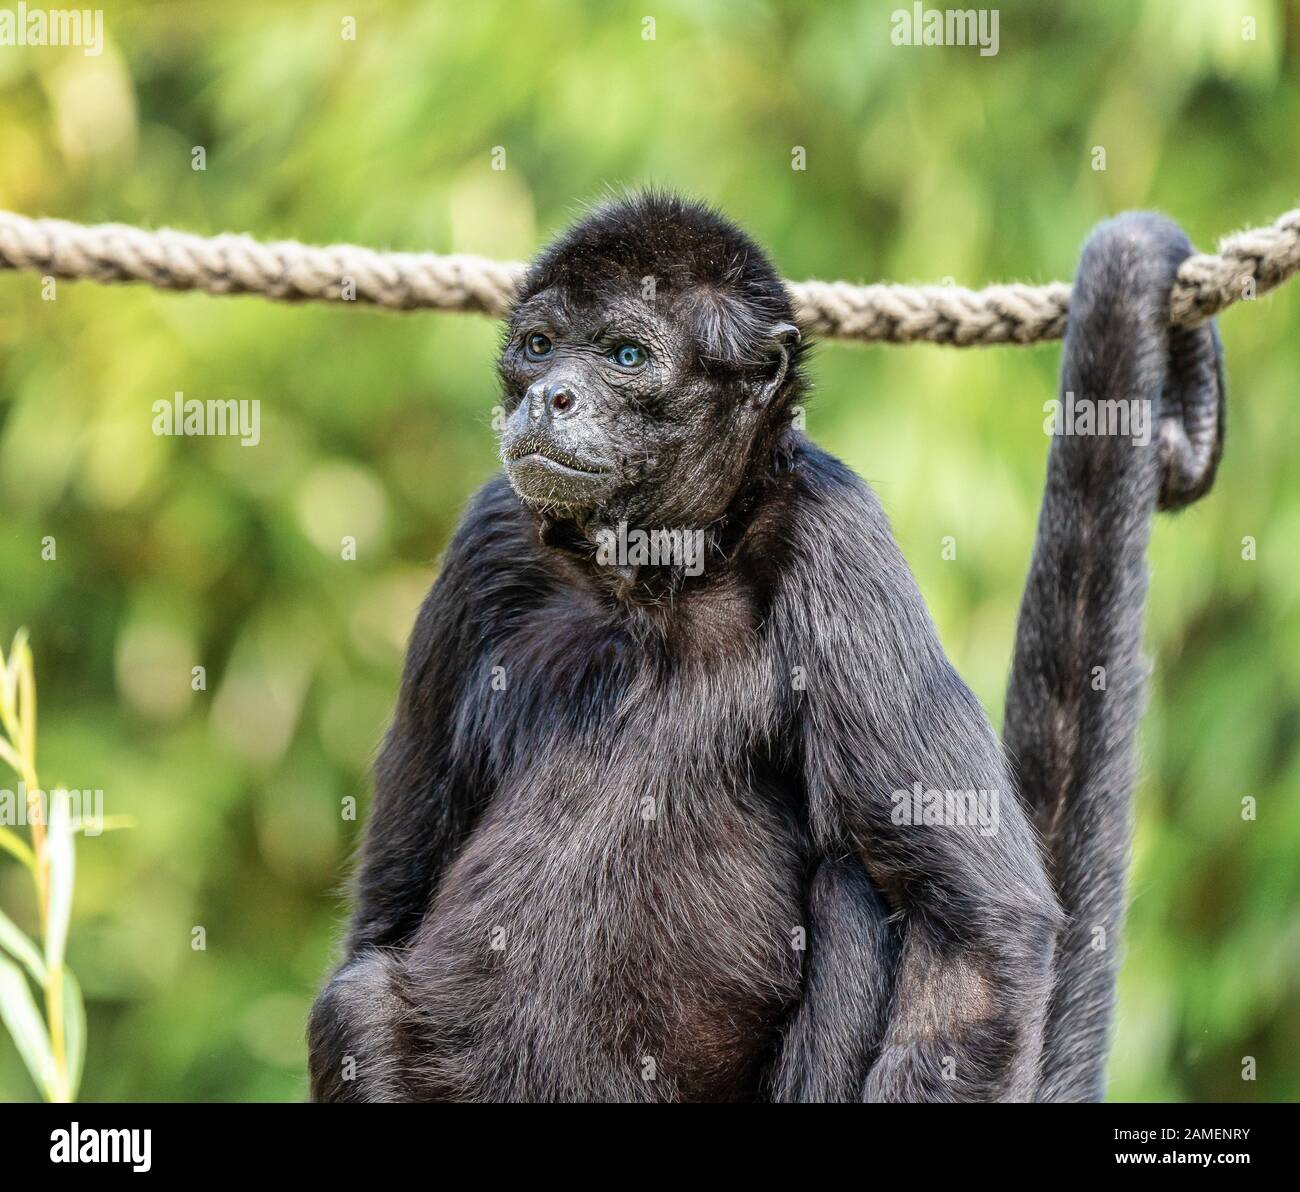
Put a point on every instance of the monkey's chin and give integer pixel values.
(548, 484)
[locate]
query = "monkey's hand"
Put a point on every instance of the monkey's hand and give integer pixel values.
(980, 927)
(356, 1030)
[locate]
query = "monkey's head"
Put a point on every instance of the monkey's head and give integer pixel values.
(650, 359)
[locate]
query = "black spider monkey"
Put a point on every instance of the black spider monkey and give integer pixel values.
(642, 831)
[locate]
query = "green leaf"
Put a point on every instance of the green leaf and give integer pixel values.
(9, 684)
(26, 698)
(13, 941)
(10, 757)
(26, 1026)
(74, 1031)
(110, 823)
(11, 842)
(9, 680)
(62, 859)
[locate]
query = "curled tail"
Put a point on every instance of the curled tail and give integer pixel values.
(1077, 678)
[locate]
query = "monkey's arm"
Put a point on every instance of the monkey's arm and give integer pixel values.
(428, 789)
(885, 722)
(425, 791)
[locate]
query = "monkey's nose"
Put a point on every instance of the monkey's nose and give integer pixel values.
(554, 400)
(559, 399)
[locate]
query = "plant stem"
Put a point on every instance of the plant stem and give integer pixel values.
(19, 723)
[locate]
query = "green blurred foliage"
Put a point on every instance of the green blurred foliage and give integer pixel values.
(921, 164)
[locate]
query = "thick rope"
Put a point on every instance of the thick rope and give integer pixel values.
(1247, 263)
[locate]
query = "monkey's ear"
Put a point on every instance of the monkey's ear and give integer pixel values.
(782, 337)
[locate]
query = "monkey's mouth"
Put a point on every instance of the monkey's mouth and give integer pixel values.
(533, 450)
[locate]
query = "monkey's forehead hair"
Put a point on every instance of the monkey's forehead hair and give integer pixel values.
(681, 244)
(704, 270)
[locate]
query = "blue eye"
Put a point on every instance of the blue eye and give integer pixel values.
(537, 344)
(629, 355)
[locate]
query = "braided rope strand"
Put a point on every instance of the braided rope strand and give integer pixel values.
(1247, 263)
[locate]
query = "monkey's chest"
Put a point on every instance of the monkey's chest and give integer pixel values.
(613, 933)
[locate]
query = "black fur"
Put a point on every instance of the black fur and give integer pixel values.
(633, 835)
(1074, 743)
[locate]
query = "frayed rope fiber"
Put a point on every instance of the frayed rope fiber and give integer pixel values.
(1247, 263)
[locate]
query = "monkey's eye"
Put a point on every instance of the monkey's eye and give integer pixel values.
(628, 355)
(537, 345)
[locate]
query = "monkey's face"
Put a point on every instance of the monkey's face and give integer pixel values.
(576, 393)
(615, 412)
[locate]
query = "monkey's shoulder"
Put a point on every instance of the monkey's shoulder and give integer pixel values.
(496, 554)
(490, 566)
(834, 522)
(496, 521)
(841, 582)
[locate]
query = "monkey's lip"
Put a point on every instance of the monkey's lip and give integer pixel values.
(535, 451)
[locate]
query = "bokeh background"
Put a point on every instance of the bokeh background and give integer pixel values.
(921, 164)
